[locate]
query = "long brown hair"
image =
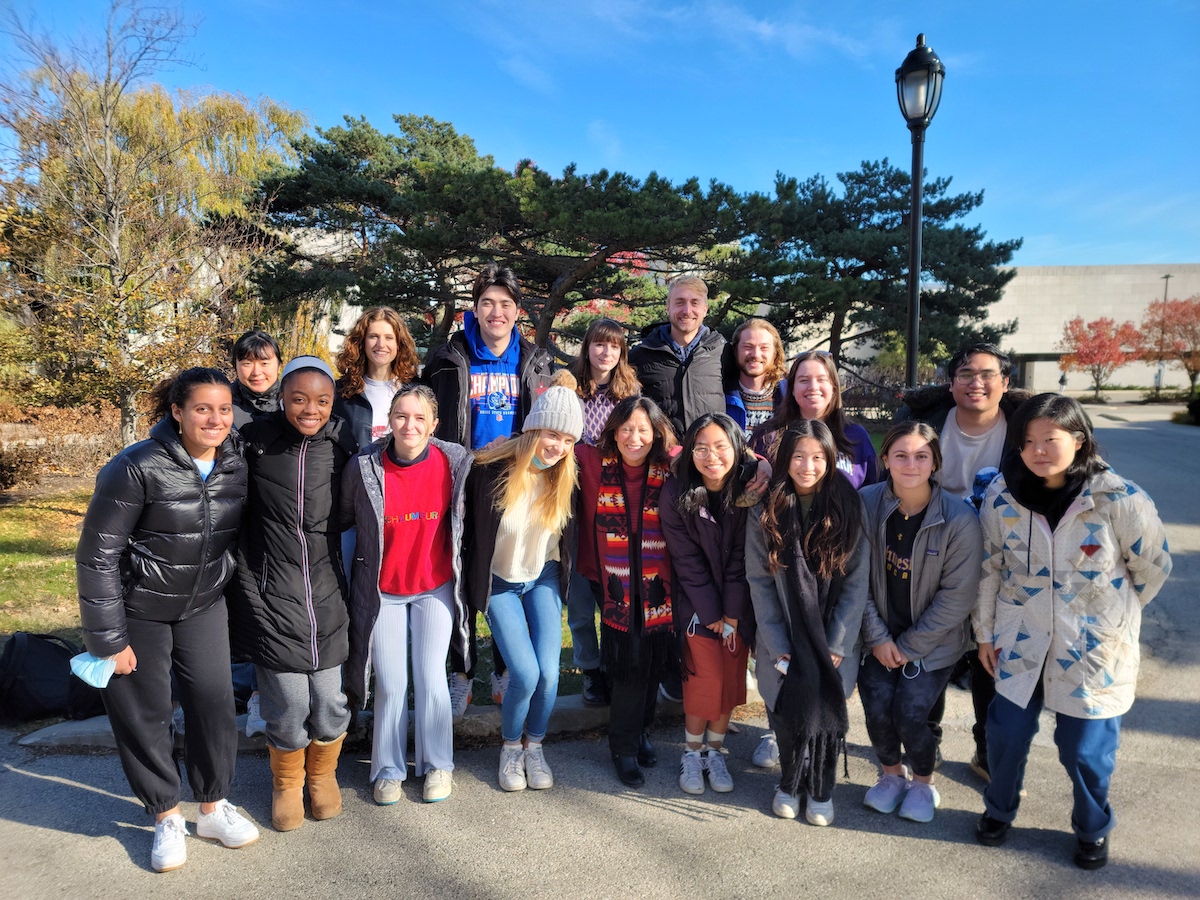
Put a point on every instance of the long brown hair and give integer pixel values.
(351, 358)
(624, 381)
(778, 369)
(789, 413)
(836, 517)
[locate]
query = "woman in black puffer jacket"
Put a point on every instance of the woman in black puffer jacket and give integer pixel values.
(288, 602)
(152, 564)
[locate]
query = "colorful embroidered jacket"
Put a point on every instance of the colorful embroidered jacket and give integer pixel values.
(1066, 606)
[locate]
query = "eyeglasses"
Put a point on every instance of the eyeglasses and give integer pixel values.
(706, 452)
(984, 377)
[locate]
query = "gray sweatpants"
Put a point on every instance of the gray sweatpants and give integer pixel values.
(302, 707)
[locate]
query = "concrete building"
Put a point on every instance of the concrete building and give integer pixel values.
(1044, 298)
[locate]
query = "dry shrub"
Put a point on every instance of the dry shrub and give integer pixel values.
(75, 440)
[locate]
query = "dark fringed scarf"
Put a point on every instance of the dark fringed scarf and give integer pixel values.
(811, 704)
(635, 611)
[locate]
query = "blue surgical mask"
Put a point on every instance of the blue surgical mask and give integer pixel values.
(537, 461)
(92, 669)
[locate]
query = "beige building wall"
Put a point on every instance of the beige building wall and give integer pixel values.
(1044, 298)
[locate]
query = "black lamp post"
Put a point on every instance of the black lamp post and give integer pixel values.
(919, 90)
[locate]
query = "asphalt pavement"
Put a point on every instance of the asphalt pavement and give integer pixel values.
(69, 826)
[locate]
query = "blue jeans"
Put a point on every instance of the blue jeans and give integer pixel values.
(1087, 749)
(526, 623)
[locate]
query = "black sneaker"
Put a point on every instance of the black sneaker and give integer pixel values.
(671, 689)
(991, 832)
(979, 765)
(595, 688)
(1092, 854)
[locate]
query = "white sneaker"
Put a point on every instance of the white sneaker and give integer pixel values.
(499, 687)
(460, 695)
(819, 812)
(766, 754)
(920, 800)
(691, 772)
(512, 768)
(718, 773)
(887, 792)
(255, 723)
(227, 825)
(537, 773)
(169, 850)
(438, 783)
(388, 791)
(785, 805)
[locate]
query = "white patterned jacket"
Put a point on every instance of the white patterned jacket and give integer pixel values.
(1066, 606)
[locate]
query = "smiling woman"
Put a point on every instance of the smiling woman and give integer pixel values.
(378, 356)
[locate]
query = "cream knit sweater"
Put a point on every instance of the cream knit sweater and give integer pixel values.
(522, 547)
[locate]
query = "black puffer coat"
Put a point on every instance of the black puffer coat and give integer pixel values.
(248, 406)
(157, 539)
(287, 606)
(683, 391)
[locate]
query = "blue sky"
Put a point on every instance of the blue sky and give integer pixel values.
(1079, 120)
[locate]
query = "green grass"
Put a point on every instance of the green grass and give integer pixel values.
(37, 564)
(38, 592)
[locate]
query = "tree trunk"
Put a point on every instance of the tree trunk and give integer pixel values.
(129, 418)
(836, 327)
(443, 321)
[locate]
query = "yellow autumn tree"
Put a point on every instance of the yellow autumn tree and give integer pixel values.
(129, 213)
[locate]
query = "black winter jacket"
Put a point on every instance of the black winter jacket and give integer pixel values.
(288, 603)
(248, 406)
(448, 372)
(684, 391)
(157, 539)
(357, 412)
(483, 524)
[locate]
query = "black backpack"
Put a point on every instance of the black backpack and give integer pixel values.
(36, 681)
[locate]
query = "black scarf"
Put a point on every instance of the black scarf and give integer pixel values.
(811, 703)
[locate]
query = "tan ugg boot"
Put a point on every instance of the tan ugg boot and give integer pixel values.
(324, 795)
(287, 781)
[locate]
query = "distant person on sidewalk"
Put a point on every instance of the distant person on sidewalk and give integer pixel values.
(971, 416)
(1072, 552)
(604, 379)
(407, 495)
(485, 378)
(518, 560)
(152, 563)
(925, 560)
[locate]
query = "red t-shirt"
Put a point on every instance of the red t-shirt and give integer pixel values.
(416, 525)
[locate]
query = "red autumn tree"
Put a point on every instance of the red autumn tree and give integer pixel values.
(1098, 348)
(1171, 334)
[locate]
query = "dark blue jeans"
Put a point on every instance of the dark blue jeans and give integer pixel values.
(896, 705)
(1087, 749)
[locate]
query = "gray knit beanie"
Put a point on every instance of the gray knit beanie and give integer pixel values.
(557, 409)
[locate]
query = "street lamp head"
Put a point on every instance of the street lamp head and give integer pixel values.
(919, 85)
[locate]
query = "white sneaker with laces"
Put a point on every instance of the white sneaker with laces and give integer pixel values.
(387, 791)
(887, 792)
(718, 772)
(766, 754)
(691, 772)
(460, 695)
(537, 773)
(785, 805)
(227, 825)
(819, 812)
(512, 768)
(169, 850)
(438, 783)
(499, 687)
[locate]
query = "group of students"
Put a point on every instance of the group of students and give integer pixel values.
(702, 502)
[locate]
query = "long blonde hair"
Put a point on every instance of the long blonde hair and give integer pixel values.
(519, 479)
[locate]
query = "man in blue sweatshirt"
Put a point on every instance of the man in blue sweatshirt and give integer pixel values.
(486, 378)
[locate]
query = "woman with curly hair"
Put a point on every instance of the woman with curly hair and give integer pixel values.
(808, 564)
(378, 356)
